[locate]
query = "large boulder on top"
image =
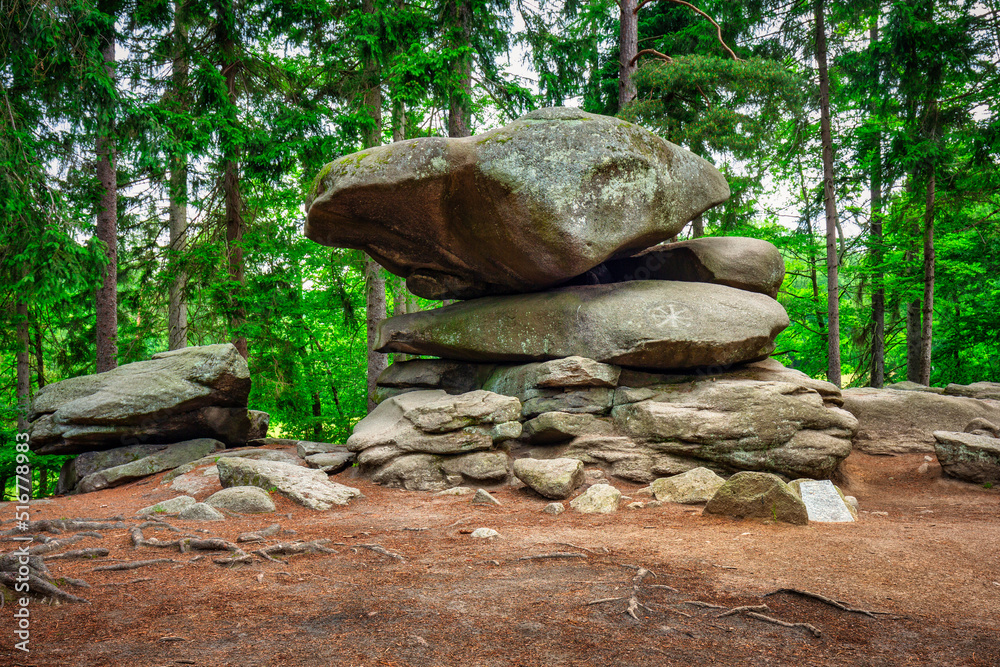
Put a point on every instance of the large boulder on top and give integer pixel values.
(517, 209)
(196, 392)
(744, 263)
(904, 422)
(649, 324)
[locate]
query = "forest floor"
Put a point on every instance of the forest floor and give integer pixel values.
(924, 557)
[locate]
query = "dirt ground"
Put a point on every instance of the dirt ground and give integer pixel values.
(925, 557)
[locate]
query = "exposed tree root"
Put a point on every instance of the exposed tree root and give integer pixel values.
(706, 605)
(742, 610)
(132, 565)
(53, 545)
(554, 554)
(379, 550)
(785, 624)
(39, 587)
(97, 552)
(633, 605)
(822, 598)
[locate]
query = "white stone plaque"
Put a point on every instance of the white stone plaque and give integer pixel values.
(823, 503)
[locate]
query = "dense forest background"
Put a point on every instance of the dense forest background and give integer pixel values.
(154, 158)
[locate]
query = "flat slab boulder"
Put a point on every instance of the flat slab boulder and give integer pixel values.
(990, 390)
(758, 495)
(196, 392)
(306, 486)
(748, 264)
(645, 324)
(969, 457)
(518, 209)
(903, 422)
(170, 457)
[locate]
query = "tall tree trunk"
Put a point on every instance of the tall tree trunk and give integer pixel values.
(107, 226)
(876, 248)
(628, 46)
(231, 151)
(927, 330)
(459, 17)
(832, 259)
(698, 227)
(39, 357)
(375, 300)
(23, 368)
(177, 307)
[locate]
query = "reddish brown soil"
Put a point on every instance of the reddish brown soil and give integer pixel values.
(932, 562)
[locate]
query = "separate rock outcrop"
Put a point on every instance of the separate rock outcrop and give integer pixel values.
(648, 324)
(517, 209)
(88, 463)
(201, 512)
(690, 488)
(242, 500)
(196, 392)
(430, 440)
(903, 422)
(824, 501)
(758, 495)
(259, 423)
(969, 457)
(168, 458)
(306, 486)
(598, 499)
(551, 478)
(989, 390)
(744, 263)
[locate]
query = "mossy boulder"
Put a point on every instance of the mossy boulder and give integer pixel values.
(758, 495)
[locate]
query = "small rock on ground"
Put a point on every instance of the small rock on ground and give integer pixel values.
(483, 497)
(598, 499)
(201, 512)
(242, 500)
(172, 506)
(554, 508)
(485, 533)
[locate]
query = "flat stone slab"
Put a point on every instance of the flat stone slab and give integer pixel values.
(823, 503)
(654, 324)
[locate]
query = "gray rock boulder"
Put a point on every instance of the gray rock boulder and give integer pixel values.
(758, 495)
(484, 497)
(306, 486)
(969, 457)
(748, 264)
(904, 422)
(196, 392)
(517, 209)
(551, 427)
(242, 500)
(990, 390)
(331, 462)
(201, 512)
(690, 488)
(260, 421)
(173, 506)
(90, 462)
(168, 458)
(551, 478)
(645, 324)
(598, 499)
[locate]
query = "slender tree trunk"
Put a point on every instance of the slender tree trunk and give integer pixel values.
(231, 151)
(876, 250)
(375, 300)
(177, 307)
(913, 308)
(927, 330)
(832, 259)
(698, 227)
(39, 357)
(23, 368)
(107, 228)
(628, 46)
(460, 96)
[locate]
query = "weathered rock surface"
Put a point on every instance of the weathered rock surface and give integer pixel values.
(598, 499)
(483, 497)
(748, 264)
(758, 495)
(551, 427)
(242, 500)
(429, 440)
(517, 209)
(260, 421)
(907, 385)
(990, 390)
(196, 392)
(645, 324)
(330, 462)
(904, 422)
(90, 462)
(454, 377)
(168, 458)
(305, 486)
(697, 485)
(969, 457)
(172, 506)
(824, 501)
(551, 478)
(201, 512)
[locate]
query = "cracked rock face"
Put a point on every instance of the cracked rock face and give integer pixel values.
(518, 209)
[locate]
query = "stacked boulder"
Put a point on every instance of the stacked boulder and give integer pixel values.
(646, 358)
(144, 417)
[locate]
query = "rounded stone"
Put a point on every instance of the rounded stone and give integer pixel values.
(242, 500)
